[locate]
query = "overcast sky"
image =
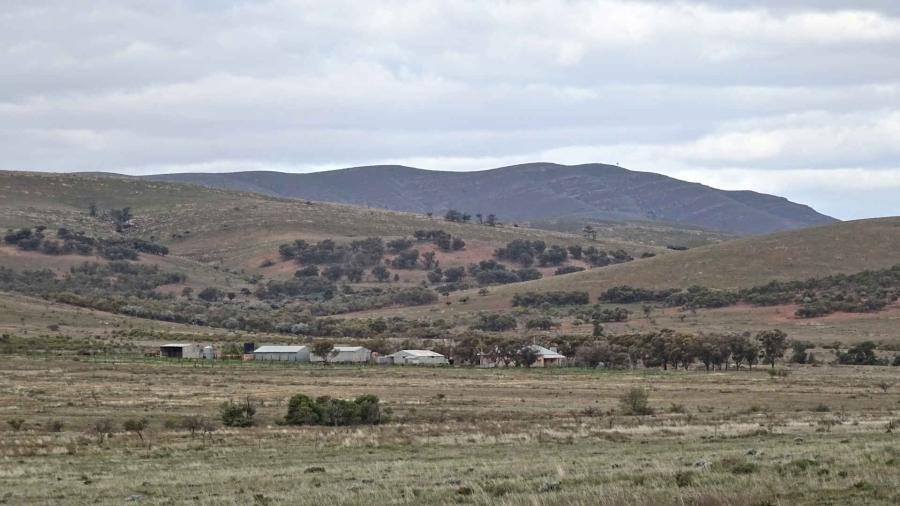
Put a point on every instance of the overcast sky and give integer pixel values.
(799, 98)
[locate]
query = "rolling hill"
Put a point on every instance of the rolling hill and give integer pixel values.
(840, 248)
(223, 238)
(239, 229)
(531, 192)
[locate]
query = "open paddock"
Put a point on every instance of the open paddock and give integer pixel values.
(817, 435)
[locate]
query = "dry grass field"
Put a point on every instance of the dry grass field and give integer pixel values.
(811, 435)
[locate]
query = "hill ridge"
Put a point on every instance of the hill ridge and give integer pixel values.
(530, 191)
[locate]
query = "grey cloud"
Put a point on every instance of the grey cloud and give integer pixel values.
(791, 91)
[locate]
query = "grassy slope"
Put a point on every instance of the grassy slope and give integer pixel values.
(840, 248)
(236, 230)
(831, 249)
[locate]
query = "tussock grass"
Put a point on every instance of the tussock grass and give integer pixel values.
(493, 437)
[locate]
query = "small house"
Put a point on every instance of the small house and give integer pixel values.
(180, 350)
(414, 357)
(547, 357)
(345, 355)
(282, 353)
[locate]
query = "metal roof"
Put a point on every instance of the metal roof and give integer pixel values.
(420, 353)
(349, 348)
(176, 345)
(545, 352)
(279, 349)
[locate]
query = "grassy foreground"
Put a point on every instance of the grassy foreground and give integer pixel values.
(816, 435)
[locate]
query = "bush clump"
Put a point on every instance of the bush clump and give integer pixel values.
(237, 414)
(533, 299)
(325, 410)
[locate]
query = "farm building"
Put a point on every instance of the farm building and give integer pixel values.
(345, 355)
(282, 353)
(414, 357)
(547, 357)
(180, 350)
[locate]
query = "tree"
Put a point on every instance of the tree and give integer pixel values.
(92, 209)
(494, 322)
(589, 233)
(406, 259)
(136, 425)
(381, 273)
(455, 216)
(799, 355)
(480, 218)
(454, 274)
(333, 272)
(774, 343)
(310, 271)
(428, 261)
(491, 220)
(526, 356)
(121, 217)
(860, 354)
(210, 294)
(355, 274)
(541, 323)
(323, 349)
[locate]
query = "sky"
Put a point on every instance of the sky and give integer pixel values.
(798, 98)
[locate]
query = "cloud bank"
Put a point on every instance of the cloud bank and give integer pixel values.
(793, 97)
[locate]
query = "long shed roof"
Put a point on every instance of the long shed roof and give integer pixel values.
(279, 349)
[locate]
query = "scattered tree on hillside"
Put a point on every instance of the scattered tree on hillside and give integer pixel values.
(428, 260)
(457, 216)
(381, 273)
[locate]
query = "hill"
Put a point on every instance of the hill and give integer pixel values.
(845, 247)
(239, 230)
(531, 192)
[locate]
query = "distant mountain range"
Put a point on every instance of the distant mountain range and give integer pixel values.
(534, 191)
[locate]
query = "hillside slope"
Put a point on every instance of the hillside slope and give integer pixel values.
(846, 247)
(228, 228)
(536, 191)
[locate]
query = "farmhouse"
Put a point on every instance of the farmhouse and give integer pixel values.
(282, 353)
(345, 355)
(180, 350)
(414, 357)
(547, 357)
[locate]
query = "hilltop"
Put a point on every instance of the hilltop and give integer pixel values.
(531, 192)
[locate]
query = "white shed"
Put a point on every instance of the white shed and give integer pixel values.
(282, 353)
(180, 350)
(415, 357)
(345, 355)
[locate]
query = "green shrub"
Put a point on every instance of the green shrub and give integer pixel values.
(636, 402)
(237, 414)
(325, 410)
